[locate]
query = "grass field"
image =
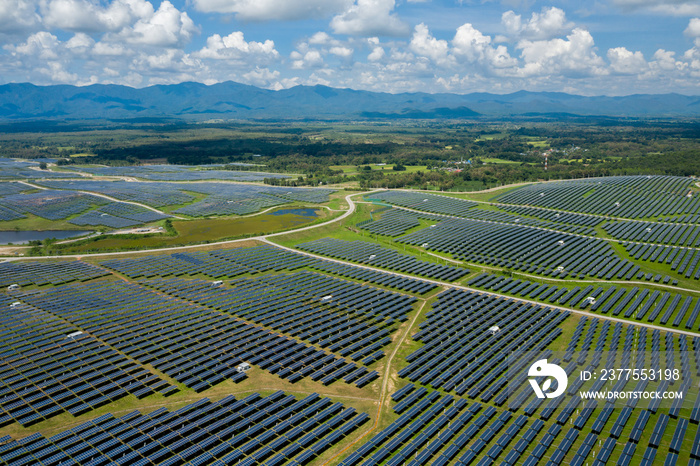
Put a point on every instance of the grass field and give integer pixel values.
(202, 231)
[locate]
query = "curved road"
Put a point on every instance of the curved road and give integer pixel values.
(348, 198)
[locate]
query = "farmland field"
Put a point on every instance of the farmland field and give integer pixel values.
(381, 327)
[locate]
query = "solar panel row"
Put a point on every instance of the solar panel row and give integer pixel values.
(48, 367)
(275, 429)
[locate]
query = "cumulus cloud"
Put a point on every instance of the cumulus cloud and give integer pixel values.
(370, 18)
(17, 16)
(234, 47)
(261, 77)
(88, 16)
(624, 61)
(167, 27)
(266, 10)
(42, 44)
(550, 22)
(666, 60)
(693, 30)
(573, 56)
(310, 59)
(425, 45)
(339, 51)
(471, 45)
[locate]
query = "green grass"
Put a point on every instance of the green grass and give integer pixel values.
(32, 223)
(503, 161)
(201, 231)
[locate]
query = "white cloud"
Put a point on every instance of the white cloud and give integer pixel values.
(43, 45)
(693, 30)
(574, 56)
(370, 18)
(167, 27)
(550, 22)
(377, 54)
(17, 16)
(666, 7)
(320, 38)
(310, 59)
(624, 61)
(89, 16)
(80, 43)
(107, 49)
(234, 46)
(266, 10)
(424, 44)
(666, 61)
(344, 52)
(261, 77)
(470, 44)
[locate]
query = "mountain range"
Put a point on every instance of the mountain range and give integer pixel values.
(231, 101)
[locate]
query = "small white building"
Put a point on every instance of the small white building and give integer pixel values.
(14, 286)
(494, 330)
(74, 334)
(15, 304)
(243, 367)
(327, 298)
(217, 283)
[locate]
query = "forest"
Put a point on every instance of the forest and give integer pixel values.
(443, 155)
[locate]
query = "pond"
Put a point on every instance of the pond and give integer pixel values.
(303, 212)
(23, 237)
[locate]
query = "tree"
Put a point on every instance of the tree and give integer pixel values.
(399, 168)
(42, 165)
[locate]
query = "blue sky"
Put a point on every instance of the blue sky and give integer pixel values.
(612, 47)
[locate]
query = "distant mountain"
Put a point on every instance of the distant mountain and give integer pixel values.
(230, 100)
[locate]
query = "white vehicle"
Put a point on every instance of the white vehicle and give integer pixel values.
(14, 286)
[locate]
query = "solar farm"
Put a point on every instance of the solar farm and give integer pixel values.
(414, 329)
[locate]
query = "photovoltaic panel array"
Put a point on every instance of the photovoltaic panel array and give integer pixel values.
(227, 199)
(180, 173)
(217, 263)
(369, 253)
(339, 323)
(554, 216)
(233, 262)
(522, 248)
(520, 428)
(272, 430)
(118, 215)
(11, 169)
(51, 204)
(683, 261)
(152, 194)
(394, 222)
(655, 232)
(456, 336)
(196, 346)
(43, 273)
(424, 202)
(618, 196)
(48, 367)
(219, 198)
